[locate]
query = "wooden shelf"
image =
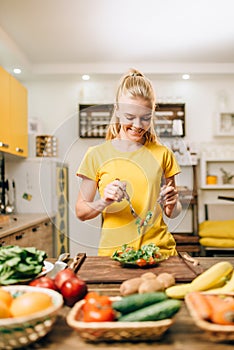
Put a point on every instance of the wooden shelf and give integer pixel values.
(212, 166)
(218, 187)
(169, 120)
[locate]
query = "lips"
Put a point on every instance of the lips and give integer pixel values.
(136, 132)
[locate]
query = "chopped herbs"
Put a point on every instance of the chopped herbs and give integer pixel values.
(143, 222)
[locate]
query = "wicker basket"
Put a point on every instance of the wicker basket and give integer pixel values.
(22, 331)
(215, 332)
(116, 331)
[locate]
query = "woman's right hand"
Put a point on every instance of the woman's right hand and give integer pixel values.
(114, 191)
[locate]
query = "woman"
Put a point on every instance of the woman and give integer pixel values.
(130, 163)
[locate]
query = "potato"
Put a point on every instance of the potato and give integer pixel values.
(150, 285)
(166, 279)
(130, 286)
(148, 275)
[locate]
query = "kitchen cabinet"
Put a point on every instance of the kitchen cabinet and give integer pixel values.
(39, 235)
(18, 118)
(13, 117)
(169, 120)
(4, 110)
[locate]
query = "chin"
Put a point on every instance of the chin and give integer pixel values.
(137, 137)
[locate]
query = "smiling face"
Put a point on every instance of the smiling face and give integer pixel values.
(135, 116)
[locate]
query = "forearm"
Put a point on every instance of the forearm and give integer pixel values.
(172, 211)
(89, 210)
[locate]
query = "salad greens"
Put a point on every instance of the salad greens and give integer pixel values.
(17, 264)
(148, 253)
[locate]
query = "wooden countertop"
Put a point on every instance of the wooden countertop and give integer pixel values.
(182, 335)
(18, 222)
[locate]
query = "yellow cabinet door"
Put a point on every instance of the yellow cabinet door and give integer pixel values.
(4, 110)
(18, 118)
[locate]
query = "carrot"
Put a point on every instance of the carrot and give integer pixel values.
(223, 309)
(200, 304)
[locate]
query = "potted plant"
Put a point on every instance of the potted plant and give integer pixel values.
(227, 177)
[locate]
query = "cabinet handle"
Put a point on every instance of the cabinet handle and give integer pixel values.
(19, 150)
(4, 145)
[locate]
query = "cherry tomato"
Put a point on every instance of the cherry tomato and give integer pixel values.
(128, 249)
(151, 261)
(73, 289)
(44, 282)
(157, 255)
(141, 262)
(62, 276)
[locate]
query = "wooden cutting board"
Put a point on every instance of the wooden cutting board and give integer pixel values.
(94, 269)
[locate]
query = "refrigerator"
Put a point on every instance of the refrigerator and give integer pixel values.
(41, 186)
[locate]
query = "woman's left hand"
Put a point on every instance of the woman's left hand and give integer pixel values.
(169, 199)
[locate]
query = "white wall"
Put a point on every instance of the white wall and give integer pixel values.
(55, 104)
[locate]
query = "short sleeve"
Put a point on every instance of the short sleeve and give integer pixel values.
(171, 166)
(88, 166)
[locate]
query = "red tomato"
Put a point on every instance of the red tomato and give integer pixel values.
(128, 249)
(151, 261)
(99, 315)
(63, 276)
(94, 300)
(73, 289)
(44, 282)
(141, 262)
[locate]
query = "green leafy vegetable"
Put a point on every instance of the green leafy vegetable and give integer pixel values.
(128, 255)
(143, 222)
(17, 264)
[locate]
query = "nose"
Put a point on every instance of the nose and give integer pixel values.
(137, 123)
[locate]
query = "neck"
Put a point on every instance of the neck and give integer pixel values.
(126, 145)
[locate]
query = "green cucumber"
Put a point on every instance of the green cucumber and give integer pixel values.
(137, 301)
(159, 311)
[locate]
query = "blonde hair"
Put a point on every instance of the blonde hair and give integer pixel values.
(133, 84)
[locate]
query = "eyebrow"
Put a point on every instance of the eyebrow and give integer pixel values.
(142, 116)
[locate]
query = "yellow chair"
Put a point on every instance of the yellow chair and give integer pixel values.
(216, 233)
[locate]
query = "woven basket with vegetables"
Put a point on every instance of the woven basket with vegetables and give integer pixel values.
(27, 314)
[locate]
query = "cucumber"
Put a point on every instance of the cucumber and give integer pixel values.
(137, 301)
(159, 311)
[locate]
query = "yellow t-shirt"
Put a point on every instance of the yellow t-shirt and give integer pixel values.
(142, 170)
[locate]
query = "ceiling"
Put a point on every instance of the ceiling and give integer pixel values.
(106, 37)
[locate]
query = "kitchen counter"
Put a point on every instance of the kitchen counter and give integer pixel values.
(17, 222)
(183, 334)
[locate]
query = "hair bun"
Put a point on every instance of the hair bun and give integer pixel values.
(135, 73)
